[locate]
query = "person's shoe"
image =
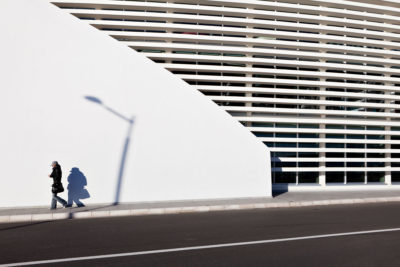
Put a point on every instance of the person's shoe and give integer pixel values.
(53, 208)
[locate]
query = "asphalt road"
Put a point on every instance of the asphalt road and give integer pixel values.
(24, 242)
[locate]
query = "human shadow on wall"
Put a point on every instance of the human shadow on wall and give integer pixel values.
(77, 191)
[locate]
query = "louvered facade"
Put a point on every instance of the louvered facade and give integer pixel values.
(317, 81)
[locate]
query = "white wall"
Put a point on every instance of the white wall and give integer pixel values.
(183, 146)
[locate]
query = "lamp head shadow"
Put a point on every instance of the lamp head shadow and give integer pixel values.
(94, 99)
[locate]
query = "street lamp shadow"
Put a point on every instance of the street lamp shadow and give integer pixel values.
(125, 149)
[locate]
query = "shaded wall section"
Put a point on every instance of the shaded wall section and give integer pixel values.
(72, 94)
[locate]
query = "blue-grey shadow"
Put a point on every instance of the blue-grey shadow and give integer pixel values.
(123, 161)
(125, 149)
(77, 191)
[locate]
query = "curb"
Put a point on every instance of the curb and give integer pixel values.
(188, 209)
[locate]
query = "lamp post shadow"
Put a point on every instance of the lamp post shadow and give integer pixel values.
(122, 163)
(124, 155)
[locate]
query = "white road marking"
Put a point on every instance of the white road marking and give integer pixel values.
(170, 250)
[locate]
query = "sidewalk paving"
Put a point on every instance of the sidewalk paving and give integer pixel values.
(281, 200)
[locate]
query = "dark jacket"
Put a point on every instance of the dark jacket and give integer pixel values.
(56, 174)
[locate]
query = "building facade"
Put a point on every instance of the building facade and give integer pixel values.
(316, 80)
(122, 127)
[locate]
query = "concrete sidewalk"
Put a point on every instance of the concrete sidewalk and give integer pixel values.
(282, 200)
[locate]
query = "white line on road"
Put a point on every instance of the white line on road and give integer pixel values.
(170, 250)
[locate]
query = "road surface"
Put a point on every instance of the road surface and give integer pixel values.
(343, 235)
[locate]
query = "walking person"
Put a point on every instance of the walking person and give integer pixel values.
(57, 186)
